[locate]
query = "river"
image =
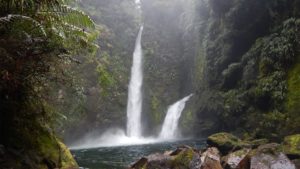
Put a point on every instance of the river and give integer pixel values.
(121, 157)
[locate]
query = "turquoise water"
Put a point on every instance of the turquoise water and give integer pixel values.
(121, 157)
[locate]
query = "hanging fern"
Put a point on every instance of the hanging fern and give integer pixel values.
(6, 22)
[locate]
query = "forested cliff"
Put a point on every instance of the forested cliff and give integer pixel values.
(239, 58)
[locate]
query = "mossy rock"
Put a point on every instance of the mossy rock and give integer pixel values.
(67, 160)
(291, 146)
(225, 142)
(258, 142)
(184, 159)
(40, 148)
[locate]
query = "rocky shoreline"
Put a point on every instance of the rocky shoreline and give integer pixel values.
(226, 151)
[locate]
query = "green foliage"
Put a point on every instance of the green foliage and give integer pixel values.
(106, 75)
(157, 115)
(251, 65)
(105, 79)
(291, 145)
(39, 42)
(293, 98)
(188, 120)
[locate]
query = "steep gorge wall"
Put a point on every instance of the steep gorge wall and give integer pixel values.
(251, 48)
(106, 76)
(238, 56)
(167, 60)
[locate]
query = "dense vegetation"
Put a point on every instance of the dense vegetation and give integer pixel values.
(39, 40)
(106, 77)
(251, 51)
(240, 56)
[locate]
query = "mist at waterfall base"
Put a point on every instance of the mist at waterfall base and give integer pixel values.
(117, 137)
(133, 135)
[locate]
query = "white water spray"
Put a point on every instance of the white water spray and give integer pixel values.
(134, 104)
(170, 126)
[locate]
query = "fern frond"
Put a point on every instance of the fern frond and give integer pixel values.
(10, 19)
(72, 16)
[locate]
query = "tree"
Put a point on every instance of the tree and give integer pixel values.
(38, 42)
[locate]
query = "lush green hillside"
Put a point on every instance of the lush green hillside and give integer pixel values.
(239, 56)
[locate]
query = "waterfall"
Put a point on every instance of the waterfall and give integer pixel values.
(170, 125)
(134, 103)
(133, 134)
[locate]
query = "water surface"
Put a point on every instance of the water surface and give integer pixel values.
(121, 157)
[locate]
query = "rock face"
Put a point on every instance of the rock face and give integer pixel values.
(251, 155)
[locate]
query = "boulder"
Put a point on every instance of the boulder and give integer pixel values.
(233, 160)
(210, 159)
(271, 161)
(158, 161)
(153, 161)
(140, 163)
(225, 142)
(270, 156)
(258, 142)
(291, 146)
(296, 162)
(186, 158)
(183, 157)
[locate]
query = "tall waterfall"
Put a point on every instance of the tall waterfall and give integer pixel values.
(170, 125)
(134, 103)
(133, 135)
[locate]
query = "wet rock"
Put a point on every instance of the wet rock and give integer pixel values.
(210, 159)
(158, 161)
(50, 164)
(291, 146)
(66, 158)
(233, 160)
(296, 162)
(187, 158)
(269, 156)
(184, 157)
(139, 164)
(258, 142)
(2, 150)
(225, 142)
(244, 163)
(271, 161)
(195, 162)
(153, 161)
